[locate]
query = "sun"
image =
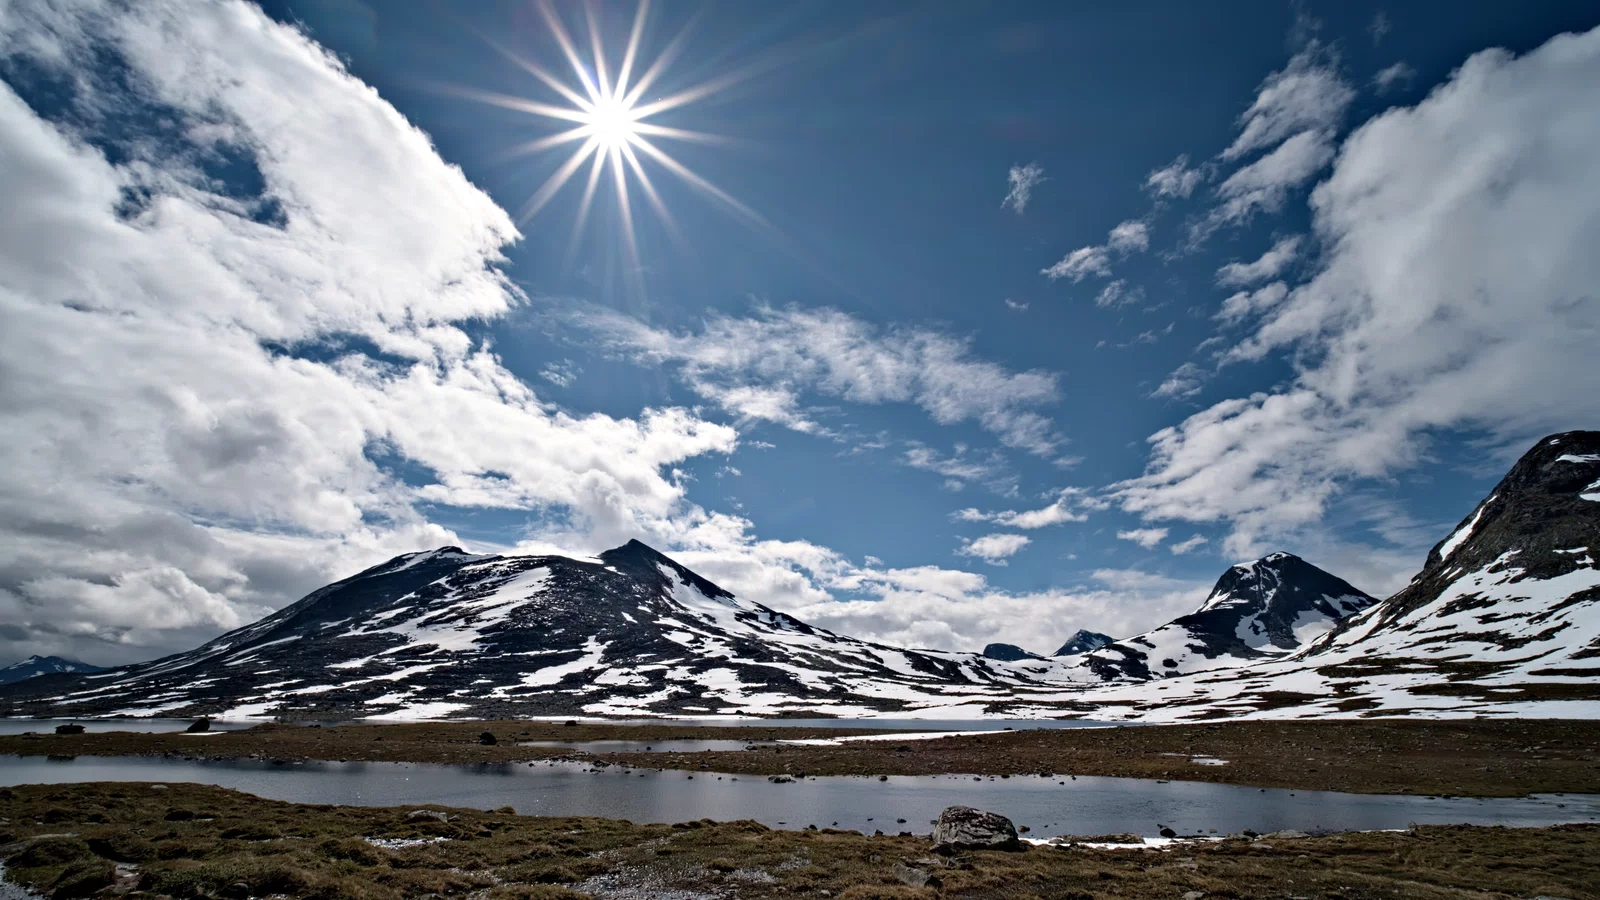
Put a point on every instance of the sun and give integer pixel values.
(610, 121)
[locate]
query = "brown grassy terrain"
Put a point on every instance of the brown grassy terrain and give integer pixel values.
(196, 841)
(428, 742)
(1487, 758)
(1467, 757)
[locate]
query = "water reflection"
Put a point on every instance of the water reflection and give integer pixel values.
(1087, 805)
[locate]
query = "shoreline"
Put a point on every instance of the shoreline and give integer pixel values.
(1468, 758)
(186, 840)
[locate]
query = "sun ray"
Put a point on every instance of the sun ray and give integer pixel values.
(634, 275)
(632, 51)
(583, 206)
(598, 48)
(649, 189)
(559, 31)
(545, 143)
(557, 180)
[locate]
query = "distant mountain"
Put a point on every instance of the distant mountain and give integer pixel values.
(1503, 619)
(447, 633)
(35, 666)
(1083, 642)
(1008, 653)
(1260, 610)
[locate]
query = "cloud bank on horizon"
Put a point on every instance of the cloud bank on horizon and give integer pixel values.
(242, 298)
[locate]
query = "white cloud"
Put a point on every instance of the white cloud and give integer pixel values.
(1183, 547)
(1175, 179)
(1393, 76)
(1269, 265)
(1129, 237)
(1244, 304)
(760, 366)
(1307, 95)
(1147, 538)
(1079, 264)
(1022, 181)
(962, 466)
(1126, 238)
(1071, 505)
(1184, 382)
(994, 549)
(192, 436)
(1014, 306)
(1379, 27)
(1117, 293)
(1263, 185)
(1456, 293)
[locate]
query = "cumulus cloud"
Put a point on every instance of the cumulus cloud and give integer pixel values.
(1457, 292)
(1147, 538)
(1015, 306)
(994, 549)
(1022, 181)
(1269, 265)
(929, 608)
(1127, 237)
(195, 435)
(760, 367)
(1175, 179)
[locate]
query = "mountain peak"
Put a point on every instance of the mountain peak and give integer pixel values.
(1083, 642)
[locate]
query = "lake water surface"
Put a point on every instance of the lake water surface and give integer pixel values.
(1087, 805)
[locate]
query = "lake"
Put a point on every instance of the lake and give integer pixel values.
(1087, 805)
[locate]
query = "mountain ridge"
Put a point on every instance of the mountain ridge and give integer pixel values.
(1503, 619)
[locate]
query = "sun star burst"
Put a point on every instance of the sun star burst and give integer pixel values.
(610, 122)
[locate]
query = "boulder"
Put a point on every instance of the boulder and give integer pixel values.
(198, 726)
(425, 815)
(488, 739)
(965, 828)
(69, 729)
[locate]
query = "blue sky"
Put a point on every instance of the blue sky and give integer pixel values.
(902, 402)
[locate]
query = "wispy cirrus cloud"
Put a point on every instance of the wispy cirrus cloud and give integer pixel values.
(1128, 237)
(1071, 505)
(1022, 180)
(763, 366)
(1269, 265)
(1148, 538)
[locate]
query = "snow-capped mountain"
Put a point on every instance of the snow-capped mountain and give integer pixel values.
(1503, 619)
(1083, 642)
(34, 666)
(446, 633)
(1261, 610)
